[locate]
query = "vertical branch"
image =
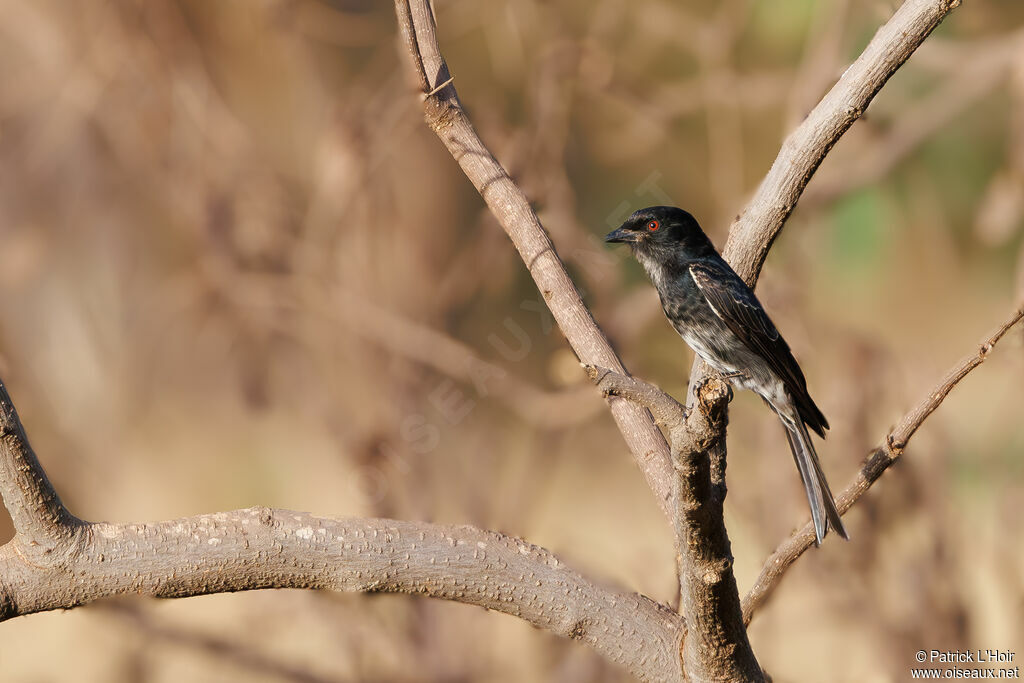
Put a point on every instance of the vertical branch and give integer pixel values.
(716, 647)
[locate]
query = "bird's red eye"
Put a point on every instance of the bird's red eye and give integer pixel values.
(653, 225)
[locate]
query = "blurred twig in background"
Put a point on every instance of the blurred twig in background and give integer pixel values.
(876, 463)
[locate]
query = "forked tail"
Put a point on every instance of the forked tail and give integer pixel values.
(823, 507)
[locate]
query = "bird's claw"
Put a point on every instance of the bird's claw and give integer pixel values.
(727, 377)
(698, 389)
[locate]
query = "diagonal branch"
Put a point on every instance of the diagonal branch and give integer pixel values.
(752, 234)
(34, 506)
(876, 463)
(754, 231)
(445, 116)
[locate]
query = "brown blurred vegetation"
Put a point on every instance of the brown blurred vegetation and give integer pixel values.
(236, 269)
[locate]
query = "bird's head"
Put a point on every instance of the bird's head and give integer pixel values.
(659, 228)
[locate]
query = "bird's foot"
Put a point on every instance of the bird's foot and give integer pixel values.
(725, 377)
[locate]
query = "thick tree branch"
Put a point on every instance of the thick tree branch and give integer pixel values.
(716, 647)
(445, 116)
(56, 561)
(264, 548)
(876, 463)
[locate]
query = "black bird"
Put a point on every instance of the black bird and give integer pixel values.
(717, 314)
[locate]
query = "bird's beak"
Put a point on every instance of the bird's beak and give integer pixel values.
(622, 235)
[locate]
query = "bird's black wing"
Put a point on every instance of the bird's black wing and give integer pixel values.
(734, 302)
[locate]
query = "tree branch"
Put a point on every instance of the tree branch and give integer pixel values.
(56, 561)
(34, 506)
(754, 231)
(877, 462)
(445, 116)
(667, 412)
(716, 645)
(264, 548)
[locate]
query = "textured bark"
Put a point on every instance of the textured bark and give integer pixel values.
(264, 548)
(28, 495)
(715, 647)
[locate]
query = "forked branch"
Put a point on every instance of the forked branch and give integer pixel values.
(699, 466)
(716, 645)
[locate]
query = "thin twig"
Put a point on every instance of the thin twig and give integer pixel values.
(438, 88)
(876, 463)
(667, 412)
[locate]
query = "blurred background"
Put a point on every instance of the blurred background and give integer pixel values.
(236, 269)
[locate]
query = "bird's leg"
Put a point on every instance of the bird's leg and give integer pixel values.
(727, 377)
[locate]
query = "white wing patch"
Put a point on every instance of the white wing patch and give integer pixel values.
(698, 278)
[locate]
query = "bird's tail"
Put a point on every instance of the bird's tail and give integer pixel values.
(823, 507)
